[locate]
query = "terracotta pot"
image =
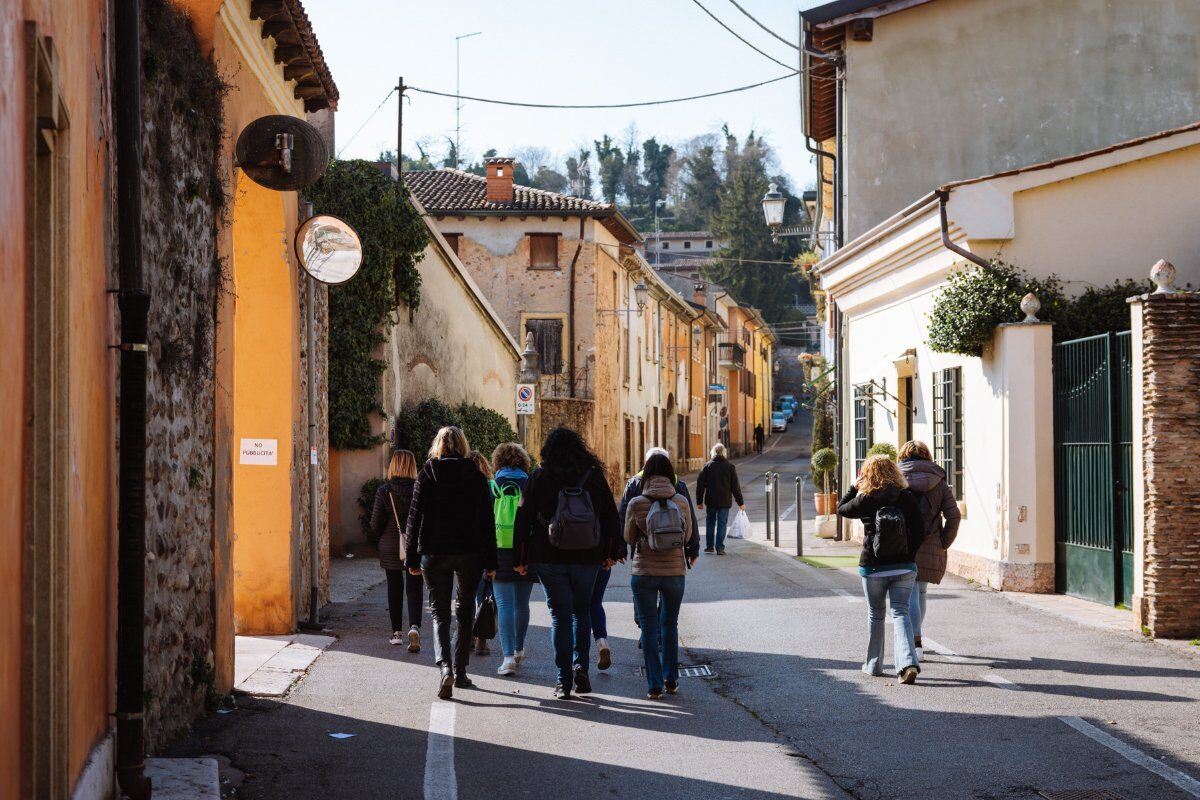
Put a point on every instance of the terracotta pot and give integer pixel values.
(826, 503)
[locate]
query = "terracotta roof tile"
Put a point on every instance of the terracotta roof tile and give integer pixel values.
(445, 190)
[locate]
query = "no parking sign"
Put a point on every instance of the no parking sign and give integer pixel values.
(526, 395)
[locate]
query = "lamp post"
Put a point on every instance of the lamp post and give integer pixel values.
(457, 96)
(773, 205)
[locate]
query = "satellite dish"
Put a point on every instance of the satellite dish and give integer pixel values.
(282, 153)
(328, 249)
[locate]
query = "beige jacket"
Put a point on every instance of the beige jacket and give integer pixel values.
(651, 562)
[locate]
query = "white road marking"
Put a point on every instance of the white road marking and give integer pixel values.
(1132, 754)
(853, 598)
(787, 512)
(441, 783)
(1000, 680)
(942, 650)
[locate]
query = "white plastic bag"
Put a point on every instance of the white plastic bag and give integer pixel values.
(739, 528)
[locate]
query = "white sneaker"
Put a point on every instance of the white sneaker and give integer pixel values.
(397, 638)
(920, 653)
(520, 656)
(508, 666)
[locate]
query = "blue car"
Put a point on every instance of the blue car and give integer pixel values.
(779, 421)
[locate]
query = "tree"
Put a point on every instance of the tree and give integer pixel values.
(701, 190)
(549, 179)
(657, 160)
(611, 163)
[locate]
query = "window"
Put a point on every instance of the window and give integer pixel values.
(708, 244)
(543, 251)
(947, 426)
(908, 400)
(453, 239)
(639, 363)
(547, 338)
(666, 245)
(624, 355)
(864, 423)
(687, 245)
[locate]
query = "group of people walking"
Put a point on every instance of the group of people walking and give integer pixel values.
(910, 518)
(469, 527)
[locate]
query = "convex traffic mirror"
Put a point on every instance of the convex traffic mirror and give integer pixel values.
(328, 248)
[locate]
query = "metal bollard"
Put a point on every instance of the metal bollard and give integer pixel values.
(775, 506)
(767, 476)
(799, 516)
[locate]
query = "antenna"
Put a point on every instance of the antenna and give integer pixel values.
(458, 95)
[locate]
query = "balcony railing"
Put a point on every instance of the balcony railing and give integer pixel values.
(577, 384)
(730, 355)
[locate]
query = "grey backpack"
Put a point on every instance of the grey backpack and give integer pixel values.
(574, 525)
(664, 526)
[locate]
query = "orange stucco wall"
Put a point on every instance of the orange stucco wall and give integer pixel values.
(79, 36)
(264, 396)
(12, 388)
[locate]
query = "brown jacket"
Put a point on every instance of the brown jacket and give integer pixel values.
(653, 562)
(928, 481)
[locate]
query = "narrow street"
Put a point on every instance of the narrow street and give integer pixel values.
(1017, 701)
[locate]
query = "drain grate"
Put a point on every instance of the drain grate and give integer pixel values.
(1081, 794)
(685, 671)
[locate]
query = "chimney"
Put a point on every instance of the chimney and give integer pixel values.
(700, 293)
(499, 180)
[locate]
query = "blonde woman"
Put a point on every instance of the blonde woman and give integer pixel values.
(451, 536)
(388, 518)
(928, 482)
(893, 531)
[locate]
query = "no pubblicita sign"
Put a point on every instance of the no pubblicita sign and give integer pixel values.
(526, 399)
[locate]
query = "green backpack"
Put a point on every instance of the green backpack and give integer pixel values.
(504, 506)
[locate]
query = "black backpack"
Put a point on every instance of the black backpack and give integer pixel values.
(890, 545)
(574, 525)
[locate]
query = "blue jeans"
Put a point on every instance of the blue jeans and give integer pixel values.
(569, 597)
(512, 607)
(719, 516)
(660, 625)
(896, 590)
(599, 618)
(916, 606)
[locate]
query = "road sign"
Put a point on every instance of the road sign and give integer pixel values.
(526, 399)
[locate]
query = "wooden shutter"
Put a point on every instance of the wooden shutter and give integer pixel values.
(453, 239)
(543, 251)
(547, 337)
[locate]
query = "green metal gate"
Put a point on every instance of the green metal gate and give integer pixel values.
(1093, 465)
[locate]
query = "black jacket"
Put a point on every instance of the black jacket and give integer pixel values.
(718, 485)
(504, 555)
(451, 513)
(634, 489)
(531, 531)
(383, 520)
(863, 506)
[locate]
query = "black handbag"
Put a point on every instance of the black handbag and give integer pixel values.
(486, 621)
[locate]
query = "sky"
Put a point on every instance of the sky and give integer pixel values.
(560, 51)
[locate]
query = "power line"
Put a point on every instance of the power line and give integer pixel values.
(764, 27)
(360, 127)
(738, 36)
(793, 73)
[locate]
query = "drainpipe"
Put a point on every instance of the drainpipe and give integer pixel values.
(571, 312)
(944, 197)
(134, 303)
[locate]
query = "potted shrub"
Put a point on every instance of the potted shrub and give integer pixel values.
(882, 449)
(824, 464)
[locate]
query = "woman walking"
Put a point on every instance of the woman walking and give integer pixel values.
(388, 518)
(451, 536)
(511, 464)
(894, 529)
(928, 481)
(485, 583)
(665, 543)
(567, 529)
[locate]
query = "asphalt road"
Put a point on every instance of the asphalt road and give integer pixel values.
(1020, 701)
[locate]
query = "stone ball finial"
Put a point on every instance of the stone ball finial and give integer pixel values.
(1031, 305)
(1163, 274)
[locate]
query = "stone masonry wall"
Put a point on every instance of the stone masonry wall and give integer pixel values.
(1171, 436)
(183, 204)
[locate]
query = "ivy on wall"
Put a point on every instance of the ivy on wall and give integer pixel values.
(393, 236)
(417, 425)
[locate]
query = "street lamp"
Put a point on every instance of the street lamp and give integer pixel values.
(773, 203)
(641, 295)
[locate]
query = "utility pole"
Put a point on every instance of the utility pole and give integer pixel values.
(399, 127)
(458, 95)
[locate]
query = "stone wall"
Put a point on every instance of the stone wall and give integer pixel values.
(183, 204)
(1170, 394)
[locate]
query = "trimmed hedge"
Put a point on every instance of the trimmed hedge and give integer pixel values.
(417, 425)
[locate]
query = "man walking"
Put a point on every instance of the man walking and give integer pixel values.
(759, 435)
(718, 487)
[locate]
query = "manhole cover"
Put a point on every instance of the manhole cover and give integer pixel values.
(686, 671)
(1081, 794)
